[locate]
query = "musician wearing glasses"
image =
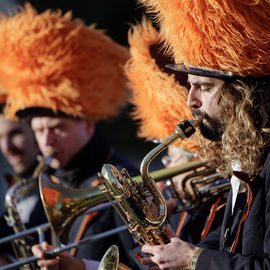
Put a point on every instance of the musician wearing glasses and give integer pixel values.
(225, 53)
(66, 77)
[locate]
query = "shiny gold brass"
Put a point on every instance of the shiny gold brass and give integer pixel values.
(62, 205)
(143, 205)
(110, 260)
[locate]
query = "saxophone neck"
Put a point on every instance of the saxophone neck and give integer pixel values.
(184, 129)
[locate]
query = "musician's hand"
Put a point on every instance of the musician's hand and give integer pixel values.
(174, 256)
(63, 261)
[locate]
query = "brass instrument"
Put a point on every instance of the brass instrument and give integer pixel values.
(205, 186)
(143, 204)
(63, 205)
(22, 245)
(82, 199)
(110, 260)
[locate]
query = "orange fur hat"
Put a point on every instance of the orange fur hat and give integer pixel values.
(53, 62)
(3, 100)
(227, 35)
(160, 101)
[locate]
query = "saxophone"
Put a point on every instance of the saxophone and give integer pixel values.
(22, 245)
(142, 203)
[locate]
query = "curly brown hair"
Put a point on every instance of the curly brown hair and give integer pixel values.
(246, 117)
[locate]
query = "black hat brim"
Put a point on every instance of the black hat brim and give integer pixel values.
(223, 75)
(39, 111)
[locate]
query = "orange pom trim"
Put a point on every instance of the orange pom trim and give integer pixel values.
(224, 35)
(160, 101)
(51, 61)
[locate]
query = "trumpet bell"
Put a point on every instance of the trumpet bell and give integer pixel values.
(62, 205)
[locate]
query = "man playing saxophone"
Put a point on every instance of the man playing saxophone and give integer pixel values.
(158, 113)
(223, 46)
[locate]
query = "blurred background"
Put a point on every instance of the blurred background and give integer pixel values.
(115, 16)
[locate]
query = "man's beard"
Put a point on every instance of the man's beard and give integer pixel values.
(213, 130)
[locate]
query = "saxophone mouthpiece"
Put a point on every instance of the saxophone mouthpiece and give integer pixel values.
(196, 122)
(187, 128)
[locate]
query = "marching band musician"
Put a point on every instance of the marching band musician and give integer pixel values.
(158, 113)
(224, 48)
(65, 78)
(18, 145)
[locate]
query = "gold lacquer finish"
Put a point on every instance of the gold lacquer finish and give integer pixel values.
(143, 204)
(110, 260)
(62, 205)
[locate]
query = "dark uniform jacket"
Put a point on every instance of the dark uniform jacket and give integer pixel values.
(80, 173)
(245, 234)
(30, 209)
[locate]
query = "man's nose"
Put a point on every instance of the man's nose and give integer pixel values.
(49, 138)
(193, 100)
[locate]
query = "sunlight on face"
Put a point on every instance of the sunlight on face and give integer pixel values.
(205, 101)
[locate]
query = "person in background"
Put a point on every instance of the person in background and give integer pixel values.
(67, 77)
(19, 147)
(226, 56)
(5, 168)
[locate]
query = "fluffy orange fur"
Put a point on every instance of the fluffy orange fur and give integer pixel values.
(160, 102)
(225, 35)
(51, 60)
(3, 98)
